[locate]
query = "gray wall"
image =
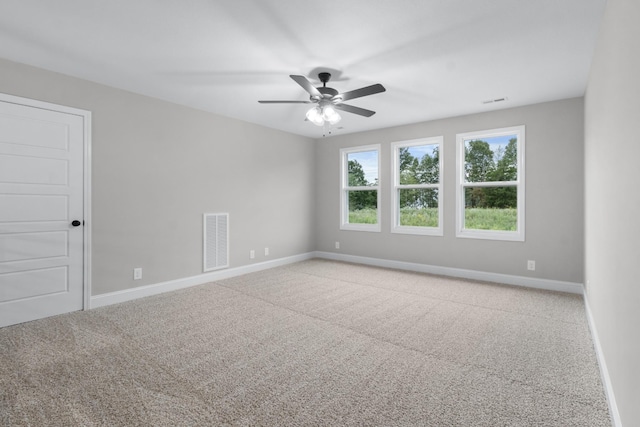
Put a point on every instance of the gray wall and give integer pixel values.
(554, 196)
(612, 204)
(157, 167)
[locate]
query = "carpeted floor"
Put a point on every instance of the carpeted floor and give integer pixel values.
(317, 343)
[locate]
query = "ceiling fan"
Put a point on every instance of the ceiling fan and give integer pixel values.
(329, 100)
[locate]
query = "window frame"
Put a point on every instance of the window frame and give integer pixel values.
(519, 183)
(396, 187)
(345, 188)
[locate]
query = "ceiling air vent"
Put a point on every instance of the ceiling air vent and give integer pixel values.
(491, 101)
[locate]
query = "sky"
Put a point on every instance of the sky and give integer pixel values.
(369, 162)
(497, 141)
(418, 151)
(369, 159)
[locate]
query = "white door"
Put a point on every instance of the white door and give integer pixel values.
(41, 211)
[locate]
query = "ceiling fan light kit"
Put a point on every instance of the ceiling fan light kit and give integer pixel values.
(329, 100)
(330, 114)
(314, 115)
(324, 112)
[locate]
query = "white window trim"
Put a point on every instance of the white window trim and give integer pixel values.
(344, 190)
(517, 235)
(395, 174)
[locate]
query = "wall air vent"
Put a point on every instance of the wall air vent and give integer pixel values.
(216, 241)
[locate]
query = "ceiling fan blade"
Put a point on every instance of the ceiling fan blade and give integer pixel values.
(354, 110)
(306, 85)
(285, 102)
(364, 91)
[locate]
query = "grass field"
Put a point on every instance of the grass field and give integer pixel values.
(491, 219)
(474, 218)
(363, 216)
(410, 217)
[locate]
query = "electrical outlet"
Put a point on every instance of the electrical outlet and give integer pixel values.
(337, 245)
(531, 265)
(266, 251)
(252, 254)
(137, 273)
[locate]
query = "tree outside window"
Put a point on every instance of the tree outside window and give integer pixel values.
(360, 168)
(491, 184)
(416, 197)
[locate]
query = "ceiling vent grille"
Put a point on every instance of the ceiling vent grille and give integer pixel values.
(491, 101)
(216, 241)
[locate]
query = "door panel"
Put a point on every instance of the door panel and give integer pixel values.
(32, 246)
(41, 193)
(33, 283)
(28, 208)
(33, 170)
(35, 130)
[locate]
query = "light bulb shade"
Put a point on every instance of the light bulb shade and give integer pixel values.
(330, 114)
(314, 115)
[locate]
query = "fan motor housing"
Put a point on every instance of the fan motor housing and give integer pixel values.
(327, 92)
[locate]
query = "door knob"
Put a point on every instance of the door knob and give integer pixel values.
(75, 223)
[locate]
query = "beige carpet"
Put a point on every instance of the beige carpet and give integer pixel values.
(318, 343)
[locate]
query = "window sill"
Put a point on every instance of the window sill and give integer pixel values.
(375, 228)
(512, 236)
(418, 231)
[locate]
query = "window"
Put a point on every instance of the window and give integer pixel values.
(360, 195)
(490, 184)
(417, 189)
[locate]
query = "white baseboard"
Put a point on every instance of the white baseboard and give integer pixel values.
(604, 372)
(530, 282)
(173, 285)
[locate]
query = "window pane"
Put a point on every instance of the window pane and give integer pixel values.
(363, 207)
(419, 164)
(491, 197)
(418, 207)
(491, 159)
(491, 208)
(363, 168)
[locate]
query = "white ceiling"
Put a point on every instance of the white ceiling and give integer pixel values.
(436, 58)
